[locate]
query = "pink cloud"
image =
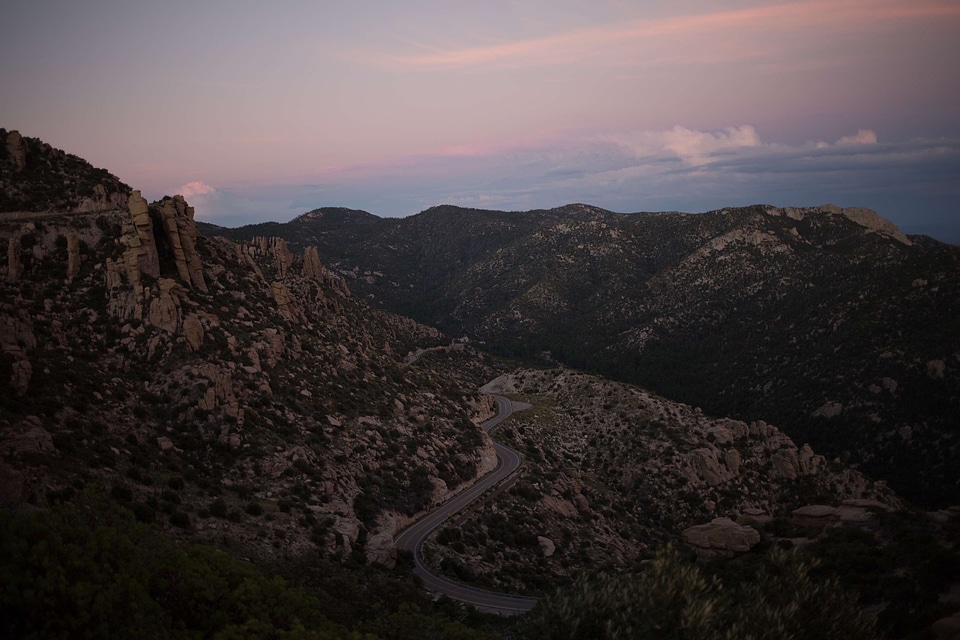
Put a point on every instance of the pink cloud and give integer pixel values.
(736, 27)
(863, 136)
(196, 188)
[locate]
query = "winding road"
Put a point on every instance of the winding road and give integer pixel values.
(411, 538)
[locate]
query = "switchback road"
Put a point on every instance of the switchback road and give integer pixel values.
(411, 538)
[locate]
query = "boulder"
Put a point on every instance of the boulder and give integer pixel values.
(193, 331)
(947, 628)
(828, 410)
(29, 437)
(705, 466)
(348, 528)
(815, 516)
(166, 445)
(752, 517)
(547, 548)
(165, 310)
(721, 538)
(380, 549)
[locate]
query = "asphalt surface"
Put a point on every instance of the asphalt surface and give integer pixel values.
(411, 538)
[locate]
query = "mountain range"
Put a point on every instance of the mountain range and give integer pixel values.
(296, 394)
(828, 322)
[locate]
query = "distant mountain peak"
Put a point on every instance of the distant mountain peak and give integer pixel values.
(866, 218)
(338, 213)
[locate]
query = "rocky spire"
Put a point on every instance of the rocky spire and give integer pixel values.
(142, 243)
(181, 231)
(17, 150)
(311, 264)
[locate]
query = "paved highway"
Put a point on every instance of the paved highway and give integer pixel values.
(411, 538)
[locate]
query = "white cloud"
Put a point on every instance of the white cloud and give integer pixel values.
(914, 183)
(696, 147)
(863, 136)
(195, 188)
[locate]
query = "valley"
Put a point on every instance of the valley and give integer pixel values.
(712, 396)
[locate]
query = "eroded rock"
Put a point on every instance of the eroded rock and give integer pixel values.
(721, 538)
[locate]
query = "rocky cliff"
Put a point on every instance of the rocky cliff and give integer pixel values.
(230, 391)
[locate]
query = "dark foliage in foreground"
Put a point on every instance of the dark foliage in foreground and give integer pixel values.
(87, 569)
(780, 599)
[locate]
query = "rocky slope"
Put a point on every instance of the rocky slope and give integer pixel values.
(827, 322)
(230, 391)
(36, 178)
(241, 392)
(612, 471)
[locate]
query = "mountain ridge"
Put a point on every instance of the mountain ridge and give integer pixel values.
(668, 300)
(248, 395)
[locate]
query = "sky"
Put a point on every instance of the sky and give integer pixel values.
(263, 111)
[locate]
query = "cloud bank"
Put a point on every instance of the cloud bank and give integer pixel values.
(915, 183)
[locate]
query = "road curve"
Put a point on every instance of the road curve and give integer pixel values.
(411, 538)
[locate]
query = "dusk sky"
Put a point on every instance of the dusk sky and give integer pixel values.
(262, 111)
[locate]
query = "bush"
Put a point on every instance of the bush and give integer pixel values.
(674, 599)
(218, 508)
(88, 570)
(121, 493)
(180, 519)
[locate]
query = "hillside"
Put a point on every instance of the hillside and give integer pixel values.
(35, 178)
(206, 382)
(827, 322)
(612, 472)
(163, 388)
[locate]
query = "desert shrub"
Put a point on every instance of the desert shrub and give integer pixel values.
(121, 493)
(674, 599)
(218, 508)
(88, 570)
(180, 519)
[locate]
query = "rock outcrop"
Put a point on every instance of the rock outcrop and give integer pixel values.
(165, 310)
(287, 306)
(816, 516)
(181, 231)
(73, 257)
(102, 200)
(141, 243)
(312, 268)
(16, 150)
(193, 331)
(16, 339)
(947, 628)
(866, 218)
(721, 538)
(13, 260)
(547, 547)
(28, 437)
